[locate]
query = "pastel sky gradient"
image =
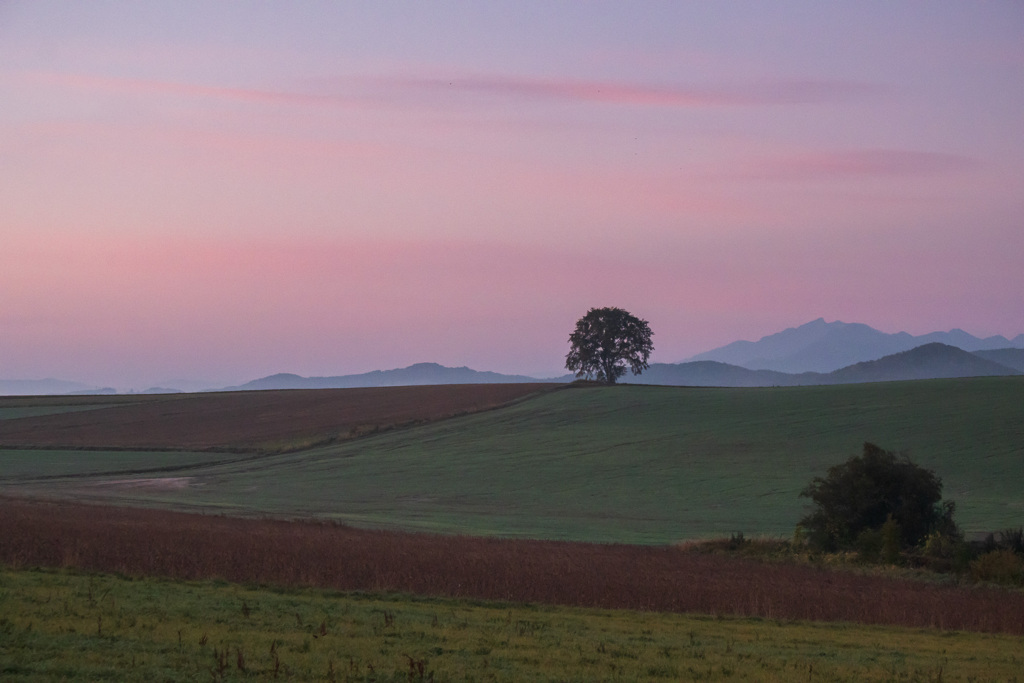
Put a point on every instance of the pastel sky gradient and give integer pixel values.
(223, 190)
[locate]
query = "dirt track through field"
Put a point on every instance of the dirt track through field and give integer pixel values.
(254, 419)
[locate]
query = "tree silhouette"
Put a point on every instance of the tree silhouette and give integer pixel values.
(605, 341)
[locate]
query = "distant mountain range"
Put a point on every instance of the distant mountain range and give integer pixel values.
(819, 346)
(815, 353)
(418, 374)
(40, 387)
(928, 361)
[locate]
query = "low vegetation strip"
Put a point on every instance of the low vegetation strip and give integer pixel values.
(244, 420)
(68, 625)
(663, 579)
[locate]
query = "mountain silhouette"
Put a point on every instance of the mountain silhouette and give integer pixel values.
(928, 361)
(39, 387)
(817, 352)
(819, 346)
(417, 374)
(1011, 358)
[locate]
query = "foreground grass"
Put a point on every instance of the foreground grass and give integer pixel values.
(74, 626)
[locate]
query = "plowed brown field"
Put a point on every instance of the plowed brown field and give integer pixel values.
(670, 579)
(245, 420)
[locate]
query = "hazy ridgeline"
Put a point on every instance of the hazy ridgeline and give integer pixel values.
(667, 579)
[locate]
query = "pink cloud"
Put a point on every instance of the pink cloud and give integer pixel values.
(137, 86)
(612, 92)
(377, 91)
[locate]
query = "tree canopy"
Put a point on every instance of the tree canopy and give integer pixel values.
(605, 341)
(869, 490)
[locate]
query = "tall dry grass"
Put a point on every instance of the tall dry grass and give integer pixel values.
(283, 553)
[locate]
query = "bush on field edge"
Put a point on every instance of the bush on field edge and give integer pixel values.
(999, 566)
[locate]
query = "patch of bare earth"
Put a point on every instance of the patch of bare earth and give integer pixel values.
(248, 420)
(145, 542)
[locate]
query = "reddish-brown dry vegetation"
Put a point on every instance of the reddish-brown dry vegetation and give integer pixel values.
(247, 419)
(183, 546)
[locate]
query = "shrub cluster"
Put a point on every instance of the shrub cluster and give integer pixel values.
(1000, 559)
(888, 509)
(879, 503)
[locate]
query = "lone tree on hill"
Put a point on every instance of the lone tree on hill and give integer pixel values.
(872, 491)
(605, 341)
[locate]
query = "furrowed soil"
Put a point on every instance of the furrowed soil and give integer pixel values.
(655, 579)
(243, 420)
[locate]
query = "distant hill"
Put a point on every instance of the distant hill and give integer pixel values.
(928, 361)
(817, 352)
(40, 387)
(1011, 358)
(708, 373)
(418, 374)
(819, 346)
(923, 362)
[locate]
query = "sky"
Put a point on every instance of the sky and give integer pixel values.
(218, 191)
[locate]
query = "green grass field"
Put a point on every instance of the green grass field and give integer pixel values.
(625, 464)
(30, 466)
(71, 626)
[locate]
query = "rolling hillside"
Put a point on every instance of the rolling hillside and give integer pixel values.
(1011, 358)
(930, 361)
(628, 463)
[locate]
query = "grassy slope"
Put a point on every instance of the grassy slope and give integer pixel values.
(69, 626)
(637, 464)
(18, 468)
